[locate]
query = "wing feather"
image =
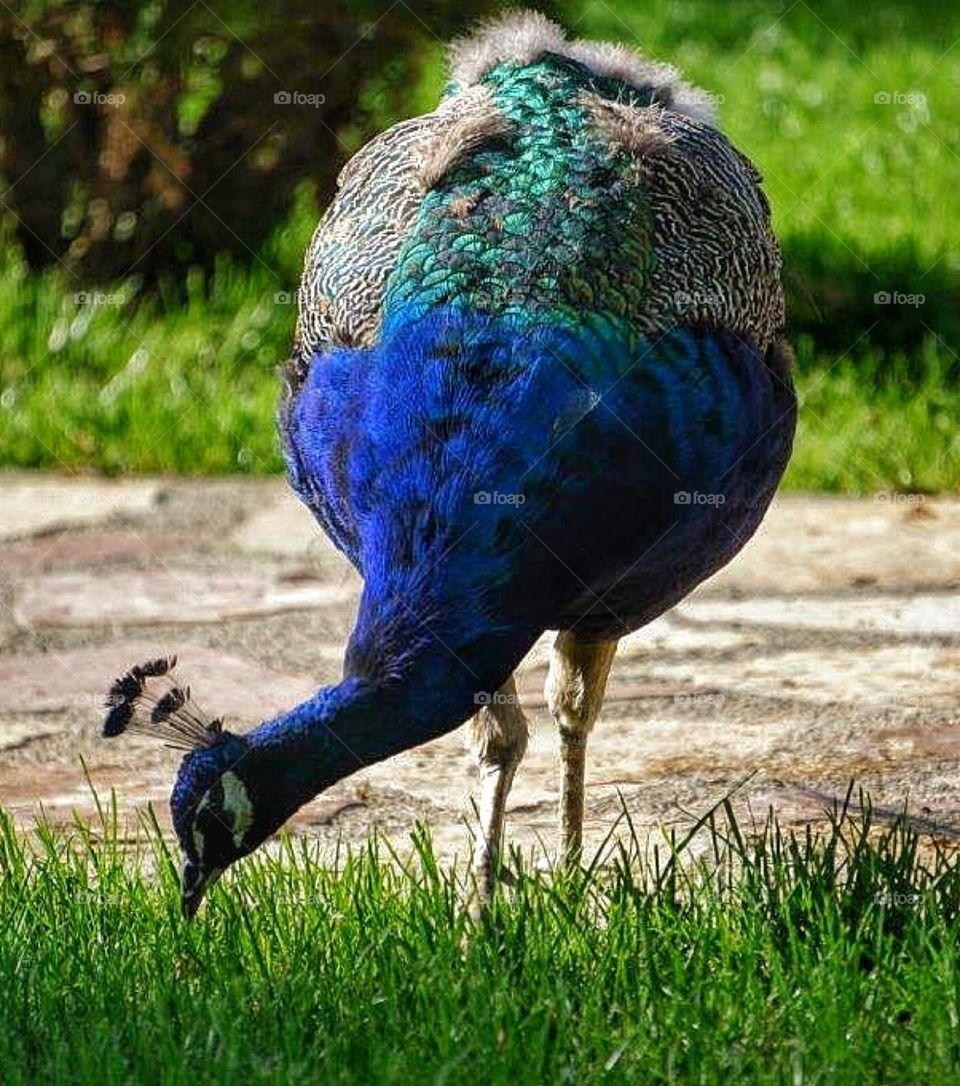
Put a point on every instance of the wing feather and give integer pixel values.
(717, 260)
(356, 245)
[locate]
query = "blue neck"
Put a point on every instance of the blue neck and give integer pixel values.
(440, 620)
(388, 702)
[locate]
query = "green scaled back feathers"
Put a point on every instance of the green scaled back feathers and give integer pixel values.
(559, 183)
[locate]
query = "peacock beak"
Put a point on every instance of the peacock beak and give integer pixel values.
(194, 881)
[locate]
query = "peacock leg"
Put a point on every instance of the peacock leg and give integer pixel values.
(574, 691)
(499, 733)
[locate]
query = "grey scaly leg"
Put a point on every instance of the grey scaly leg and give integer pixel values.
(574, 691)
(499, 734)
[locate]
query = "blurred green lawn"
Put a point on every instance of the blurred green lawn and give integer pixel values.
(846, 111)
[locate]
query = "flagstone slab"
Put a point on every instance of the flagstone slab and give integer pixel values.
(830, 649)
(31, 504)
(223, 683)
(803, 544)
(814, 543)
(15, 734)
(281, 525)
(164, 595)
(91, 547)
(922, 614)
(57, 792)
(906, 676)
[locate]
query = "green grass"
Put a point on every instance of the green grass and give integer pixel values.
(797, 84)
(778, 959)
(183, 380)
(187, 388)
(864, 199)
(874, 423)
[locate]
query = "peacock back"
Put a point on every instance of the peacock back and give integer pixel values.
(558, 182)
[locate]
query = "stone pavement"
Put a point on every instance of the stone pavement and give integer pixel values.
(828, 651)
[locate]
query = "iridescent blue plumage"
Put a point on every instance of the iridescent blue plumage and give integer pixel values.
(537, 383)
(582, 440)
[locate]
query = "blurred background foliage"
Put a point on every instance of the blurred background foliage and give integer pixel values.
(162, 165)
(155, 136)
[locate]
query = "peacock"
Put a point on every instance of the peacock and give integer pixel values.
(538, 383)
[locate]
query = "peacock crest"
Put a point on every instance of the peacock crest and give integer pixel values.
(150, 699)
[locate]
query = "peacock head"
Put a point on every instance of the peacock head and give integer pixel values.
(213, 815)
(212, 803)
